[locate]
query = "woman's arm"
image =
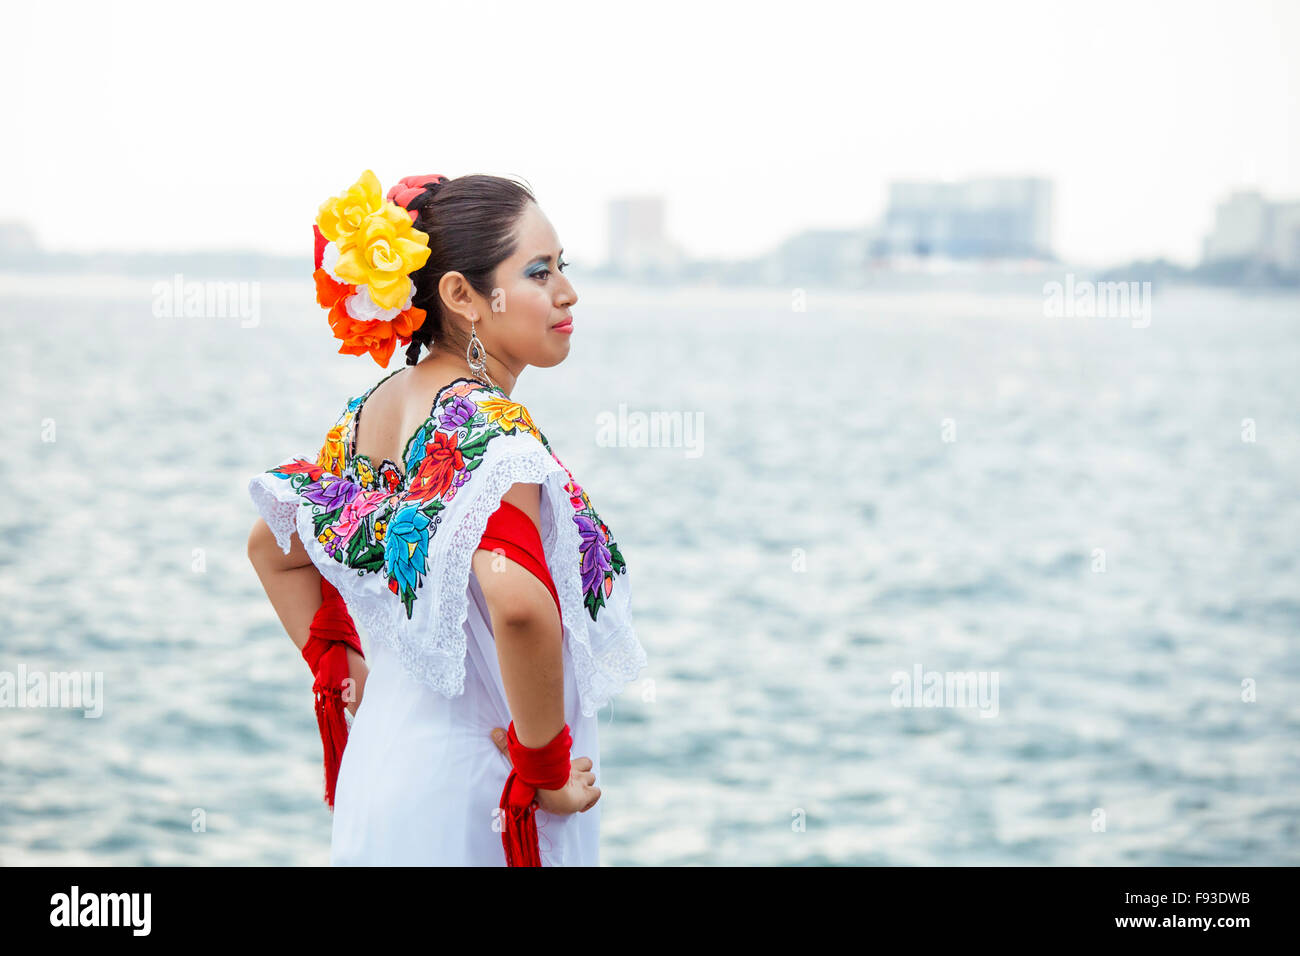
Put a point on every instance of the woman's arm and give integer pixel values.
(292, 583)
(528, 635)
(530, 646)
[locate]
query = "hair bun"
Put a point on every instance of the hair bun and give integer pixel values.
(408, 188)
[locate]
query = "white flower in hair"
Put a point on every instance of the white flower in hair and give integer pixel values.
(329, 259)
(363, 308)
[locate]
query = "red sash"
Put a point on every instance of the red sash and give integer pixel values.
(511, 530)
(545, 768)
(326, 652)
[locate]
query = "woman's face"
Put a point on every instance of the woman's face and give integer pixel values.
(531, 296)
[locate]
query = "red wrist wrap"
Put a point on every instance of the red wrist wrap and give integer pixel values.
(544, 767)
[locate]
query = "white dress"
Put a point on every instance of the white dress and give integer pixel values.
(421, 778)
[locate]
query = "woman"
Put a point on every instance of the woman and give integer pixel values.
(495, 600)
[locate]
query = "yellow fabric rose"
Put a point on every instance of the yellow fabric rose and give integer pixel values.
(341, 217)
(382, 253)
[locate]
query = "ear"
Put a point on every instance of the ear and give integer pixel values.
(457, 295)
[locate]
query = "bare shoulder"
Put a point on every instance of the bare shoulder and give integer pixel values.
(527, 497)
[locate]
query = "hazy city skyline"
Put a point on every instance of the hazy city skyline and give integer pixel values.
(148, 127)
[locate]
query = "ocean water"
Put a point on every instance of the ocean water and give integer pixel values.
(1099, 521)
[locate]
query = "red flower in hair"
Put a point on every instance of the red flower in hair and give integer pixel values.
(321, 242)
(409, 187)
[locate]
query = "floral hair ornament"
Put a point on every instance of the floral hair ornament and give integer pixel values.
(408, 187)
(366, 250)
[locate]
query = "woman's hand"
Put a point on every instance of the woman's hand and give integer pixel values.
(577, 796)
(358, 670)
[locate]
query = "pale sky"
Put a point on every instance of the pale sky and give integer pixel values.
(225, 125)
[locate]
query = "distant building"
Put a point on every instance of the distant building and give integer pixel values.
(1286, 235)
(1250, 228)
(1241, 227)
(17, 239)
(836, 257)
(990, 218)
(638, 242)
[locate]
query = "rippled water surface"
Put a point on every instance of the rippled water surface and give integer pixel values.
(948, 483)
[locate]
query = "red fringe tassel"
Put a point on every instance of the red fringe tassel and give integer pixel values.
(332, 632)
(545, 768)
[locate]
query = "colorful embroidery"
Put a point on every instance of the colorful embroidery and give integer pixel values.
(379, 518)
(600, 558)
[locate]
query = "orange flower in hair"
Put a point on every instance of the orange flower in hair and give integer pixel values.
(376, 338)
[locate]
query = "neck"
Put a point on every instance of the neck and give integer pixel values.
(456, 364)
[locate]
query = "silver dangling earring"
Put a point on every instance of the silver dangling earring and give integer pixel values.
(476, 356)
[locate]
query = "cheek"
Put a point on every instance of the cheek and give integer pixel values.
(531, 304)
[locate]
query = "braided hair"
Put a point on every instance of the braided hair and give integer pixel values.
(470, 221)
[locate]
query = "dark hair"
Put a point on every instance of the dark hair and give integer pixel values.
(470, 221)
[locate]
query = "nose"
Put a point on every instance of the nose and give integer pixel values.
(568, 295)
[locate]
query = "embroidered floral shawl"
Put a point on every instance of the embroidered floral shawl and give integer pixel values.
(397, 543)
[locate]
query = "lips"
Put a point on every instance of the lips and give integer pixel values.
(566, 324)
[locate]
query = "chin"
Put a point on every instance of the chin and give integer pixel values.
(552, 357)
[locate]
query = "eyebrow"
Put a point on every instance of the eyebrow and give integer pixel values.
(545, 256)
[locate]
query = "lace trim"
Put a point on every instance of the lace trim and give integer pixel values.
(279, 506)
(280, 514)
(616, 665)
(598, 677)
